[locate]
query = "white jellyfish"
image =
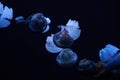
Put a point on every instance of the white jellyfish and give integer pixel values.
(73, 29)
(65, 37)
(6, 15)
(36, 22)
(67, 57)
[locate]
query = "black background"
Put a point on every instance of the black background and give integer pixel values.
(23, 54)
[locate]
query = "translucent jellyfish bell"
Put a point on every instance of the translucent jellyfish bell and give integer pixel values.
(107, 53)
(37, 22)
(73, 29)
(6, 15)
(63, 39)
(50, 45)
(66, 57)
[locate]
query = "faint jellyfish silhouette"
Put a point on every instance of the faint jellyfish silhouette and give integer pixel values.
(6, 15)
(86, 66)
(66, 57)
(36, 22)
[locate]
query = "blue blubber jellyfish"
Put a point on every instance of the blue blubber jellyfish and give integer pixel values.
(6, 15)
(36, 22)
(66, 58)
(107, 53)
(110, 55)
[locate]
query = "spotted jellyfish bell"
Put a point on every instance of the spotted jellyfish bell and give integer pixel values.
(6, 15)
(66, 57)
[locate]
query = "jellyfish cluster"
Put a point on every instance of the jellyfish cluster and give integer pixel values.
(60, 42)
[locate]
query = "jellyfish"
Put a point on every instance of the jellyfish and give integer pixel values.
(36, 22)
(86, 66)
(65, 37)
(107, 53)
(6, 15)
(66, 57)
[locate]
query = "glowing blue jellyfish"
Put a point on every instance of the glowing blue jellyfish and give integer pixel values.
(6, 15)
(36, 22)
(110, 55)
(107, 53)
(67, 57)
(64, 38)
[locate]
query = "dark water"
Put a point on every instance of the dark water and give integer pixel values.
(23, 54)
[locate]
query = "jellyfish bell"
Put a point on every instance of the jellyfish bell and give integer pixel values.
(63, 39)
(38, 23)
(66, 58)
(50, 45)
(6, 15)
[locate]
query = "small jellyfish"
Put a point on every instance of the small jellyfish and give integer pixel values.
(6, 15)
(66, 57)
(36, 22)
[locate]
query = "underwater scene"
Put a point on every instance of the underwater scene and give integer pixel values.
(59, 40)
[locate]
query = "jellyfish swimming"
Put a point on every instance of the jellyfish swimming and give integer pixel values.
(110, 55)
(64, 38)
(66, 57)
(36, 22)
(6, 15)
(107, 53)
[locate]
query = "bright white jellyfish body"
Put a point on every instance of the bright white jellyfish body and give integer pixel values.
(66, 57)
(6, 15)
(64, 38)
(36, 22)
